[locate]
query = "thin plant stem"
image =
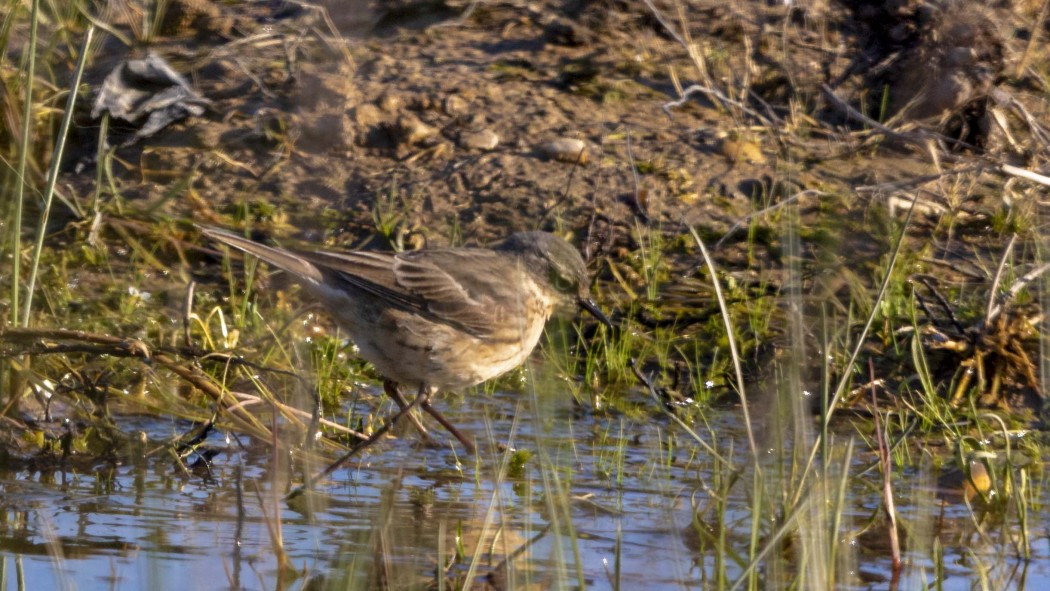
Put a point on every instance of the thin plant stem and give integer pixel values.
(23, 158)
(734, 352)
(52, 174)
(847, 374)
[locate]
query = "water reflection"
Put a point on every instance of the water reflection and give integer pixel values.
(601, 499)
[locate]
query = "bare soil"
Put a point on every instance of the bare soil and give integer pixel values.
(430, 122)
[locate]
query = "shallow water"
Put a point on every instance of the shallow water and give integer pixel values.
(604, 489)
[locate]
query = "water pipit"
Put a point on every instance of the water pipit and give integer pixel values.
(439, 318)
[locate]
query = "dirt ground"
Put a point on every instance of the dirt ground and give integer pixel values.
(429, 122)
(434, 121)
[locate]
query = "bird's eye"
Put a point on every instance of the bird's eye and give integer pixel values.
(562, 283)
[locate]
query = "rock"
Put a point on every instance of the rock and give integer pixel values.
(740, 149)
(365, 116)
(409, 130)
(484, 139)
(565, 149)
(454, 106)
(367, 126)
(391, 103)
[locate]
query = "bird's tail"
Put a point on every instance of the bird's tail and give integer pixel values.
(283, 259)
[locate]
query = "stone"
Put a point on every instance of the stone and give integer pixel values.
(569, 150)
(484, 140)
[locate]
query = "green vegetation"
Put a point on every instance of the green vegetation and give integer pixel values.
(832, 386)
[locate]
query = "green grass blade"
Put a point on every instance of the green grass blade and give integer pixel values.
(23, 160)
(52, 175)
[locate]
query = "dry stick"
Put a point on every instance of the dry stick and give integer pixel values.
(992, 297)
(459, 20)
(123, 347)
(48, 341)
(244, 400)
(916, 138)
(1006, 100)
(920, 138)
(117, 346)
(728, 323)
(1025, 174)
(200, 380)
(696, 88)
(975, 275)
(917, 181)
(1016, 289)
(1026, 279)
(943, 303)
(1036, 29)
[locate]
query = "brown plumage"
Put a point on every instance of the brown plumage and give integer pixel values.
(442, 318)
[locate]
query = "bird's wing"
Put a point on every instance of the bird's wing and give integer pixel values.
(371, 272)
(474, 290)
(468, 289)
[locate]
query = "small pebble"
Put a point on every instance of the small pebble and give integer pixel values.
(411, 130)
(737, 149)
(390, 102)
(484, 140)
(366, 115)
(565, 150)
(454, 106)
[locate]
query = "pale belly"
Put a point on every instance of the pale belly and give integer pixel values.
(413, 350)
(451, 361)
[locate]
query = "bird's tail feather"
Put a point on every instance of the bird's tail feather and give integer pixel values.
(283, 259)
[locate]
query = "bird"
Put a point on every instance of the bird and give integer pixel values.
(439, 319)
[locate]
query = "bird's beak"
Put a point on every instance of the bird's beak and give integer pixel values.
(595, 311)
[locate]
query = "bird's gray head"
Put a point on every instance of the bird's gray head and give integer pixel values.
(556, 262)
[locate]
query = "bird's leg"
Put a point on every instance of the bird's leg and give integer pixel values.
(392, 390)
(447, 424)
(390, 387)
(422, 398)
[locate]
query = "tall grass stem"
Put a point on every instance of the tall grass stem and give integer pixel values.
(52, 174)
(23, 160)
